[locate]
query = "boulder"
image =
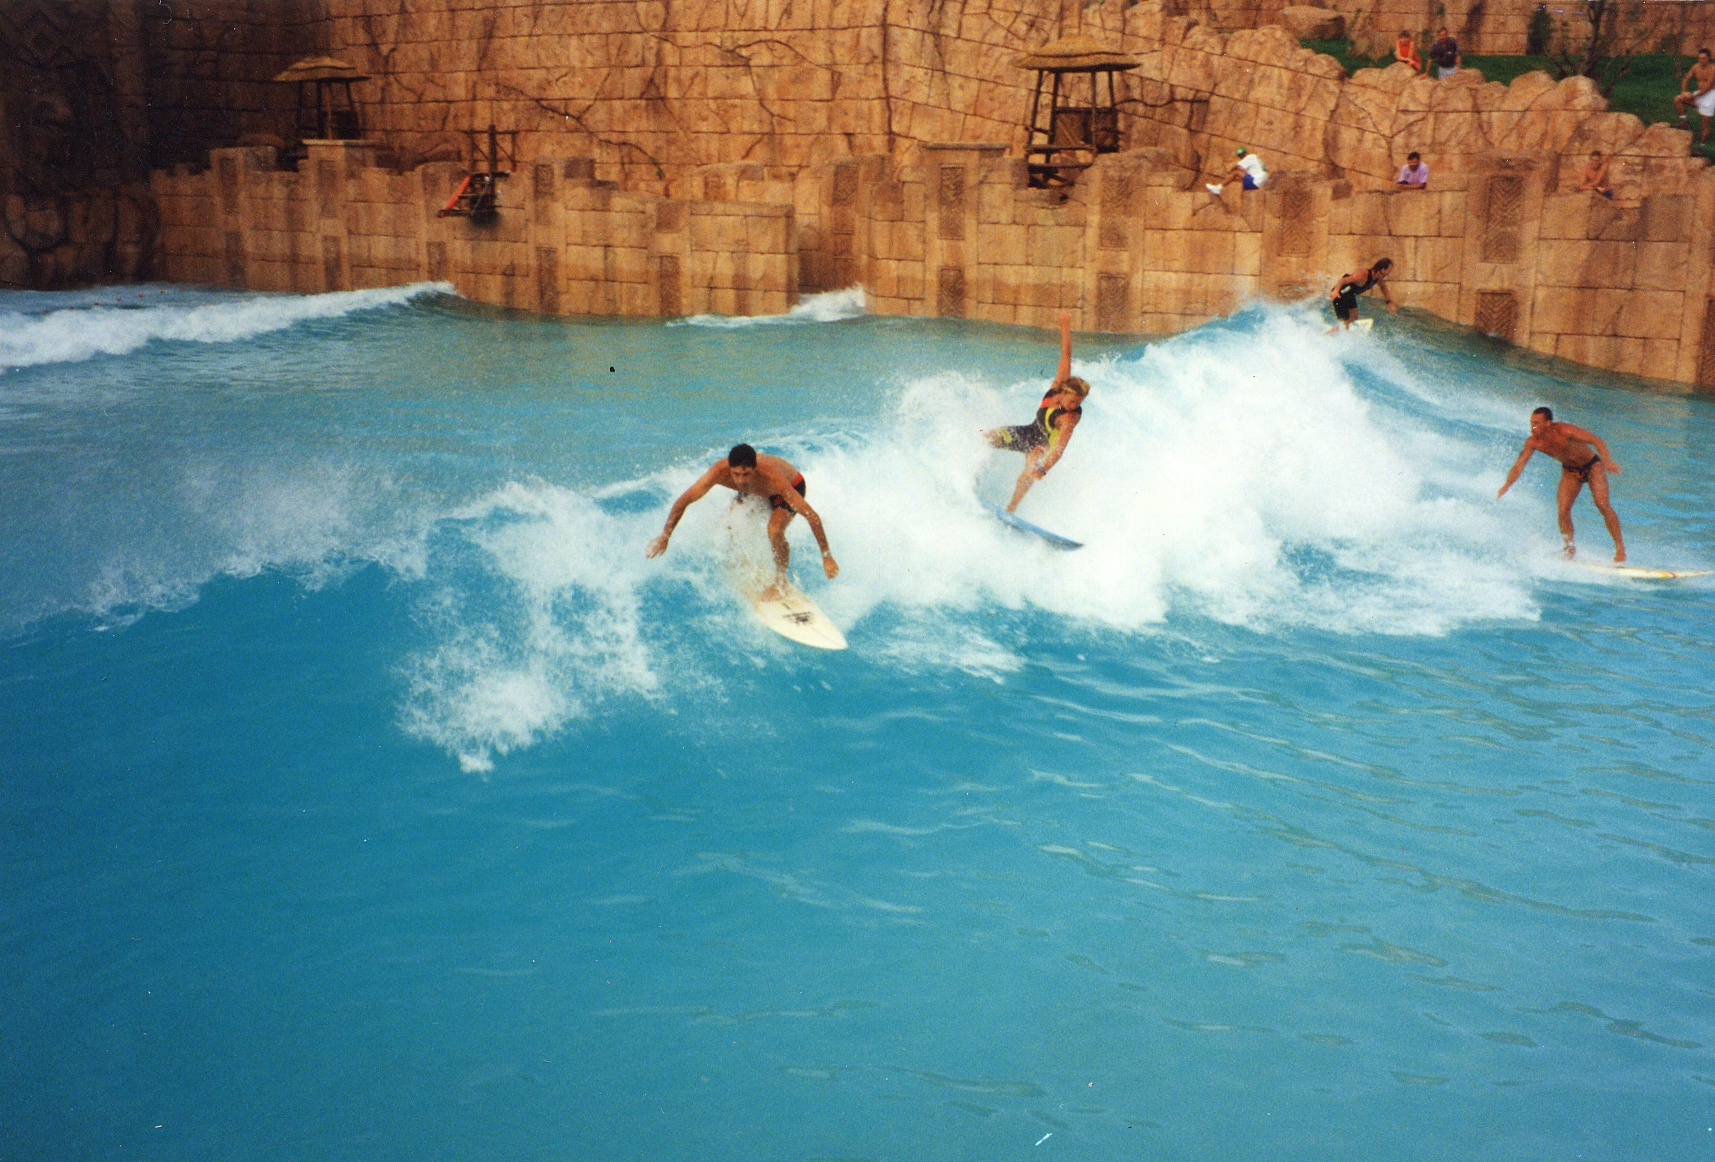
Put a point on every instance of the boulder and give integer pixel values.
(1308, 23)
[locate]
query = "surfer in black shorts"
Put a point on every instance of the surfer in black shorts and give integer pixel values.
(1043, 441)
(1583, 460)
(1345, 293)
(751, 473)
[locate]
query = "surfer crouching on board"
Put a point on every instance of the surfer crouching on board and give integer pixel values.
(1583, 460)
(1043, 441)
(1345, 293)
(751, 473)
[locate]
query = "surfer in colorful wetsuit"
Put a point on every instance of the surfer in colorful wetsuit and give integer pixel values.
(1043, 441)
(1346, 291)
(1583, 460)
(751, 473)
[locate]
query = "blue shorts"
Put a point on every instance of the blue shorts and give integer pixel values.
(1250, 182)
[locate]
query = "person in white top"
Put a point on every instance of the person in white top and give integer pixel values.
(1248, 169)
(1413, 175)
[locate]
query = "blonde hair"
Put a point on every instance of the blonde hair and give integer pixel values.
(1077, 385)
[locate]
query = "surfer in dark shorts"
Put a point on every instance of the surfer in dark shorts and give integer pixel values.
(1346, 291)
(751, 473)
(1043, 440)
(1583, 460)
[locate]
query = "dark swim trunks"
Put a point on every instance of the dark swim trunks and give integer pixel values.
(775, 501)
(1022, 438)
(1582, 471)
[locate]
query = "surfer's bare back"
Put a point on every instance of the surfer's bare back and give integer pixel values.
(751, 473)
(1583, 460)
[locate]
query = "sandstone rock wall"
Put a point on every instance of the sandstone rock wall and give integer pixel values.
(564, 243)
(657, 90)
(93, 93)
(954, 231)
(1204, 93)
(1485, 27)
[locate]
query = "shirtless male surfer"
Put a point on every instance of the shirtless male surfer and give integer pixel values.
(751, 473)
(1579, 465)
(1043, 440)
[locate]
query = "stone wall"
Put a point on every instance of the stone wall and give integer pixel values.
(563, 243)
(93, 93)
(954, 231)
(210, 66)
(1488, 27)
(1204, 93)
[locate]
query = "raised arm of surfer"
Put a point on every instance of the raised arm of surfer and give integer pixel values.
(1043, 441)
(1584, 459)
(751, 473)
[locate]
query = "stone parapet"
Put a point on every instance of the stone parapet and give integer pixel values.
(955, 231)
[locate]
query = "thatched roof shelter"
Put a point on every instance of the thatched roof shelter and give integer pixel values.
(321, 68)
(1076, 53)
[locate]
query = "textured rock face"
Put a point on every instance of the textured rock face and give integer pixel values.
(750, 149)
(954, 230)
(1308, 23)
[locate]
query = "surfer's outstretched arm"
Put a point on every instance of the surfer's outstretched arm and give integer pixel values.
(686, 499)
(802, 507)
(1064, 371)
(1518, 467)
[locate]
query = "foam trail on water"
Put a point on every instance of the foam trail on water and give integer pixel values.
(828, 307)
(71, 335)
(1240, 477)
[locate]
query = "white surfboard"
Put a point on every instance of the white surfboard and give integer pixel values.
(1643, 573)
(795, 617)
(1363, 325)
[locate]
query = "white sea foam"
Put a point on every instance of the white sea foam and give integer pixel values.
(1236, 474)
(1241, 478)
(828, 307)
(74, 334)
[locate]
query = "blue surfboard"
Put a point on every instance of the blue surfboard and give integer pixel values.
(1024, 526)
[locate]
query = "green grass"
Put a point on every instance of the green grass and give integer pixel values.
(1646, 91)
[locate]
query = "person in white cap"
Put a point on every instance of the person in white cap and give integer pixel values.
(1248, 169)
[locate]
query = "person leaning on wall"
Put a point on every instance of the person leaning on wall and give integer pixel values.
(1445, 53)
(1413, 175)
(1405, 51)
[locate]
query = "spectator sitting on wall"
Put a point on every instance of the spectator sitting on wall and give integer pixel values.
(1445, 53)
(1248, 169)
(1702, 74)
(1413, 175)
(1405, 51)
(1595, 177)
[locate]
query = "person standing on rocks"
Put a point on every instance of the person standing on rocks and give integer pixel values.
(1701, 74)
(1583, 460)
(1445, 53)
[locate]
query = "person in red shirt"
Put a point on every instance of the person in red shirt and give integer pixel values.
(1405, 51)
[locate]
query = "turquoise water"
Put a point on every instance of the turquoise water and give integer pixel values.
(368, 795)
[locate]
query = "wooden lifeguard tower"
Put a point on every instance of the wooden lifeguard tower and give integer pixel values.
(1065, 142)
(326, 110)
